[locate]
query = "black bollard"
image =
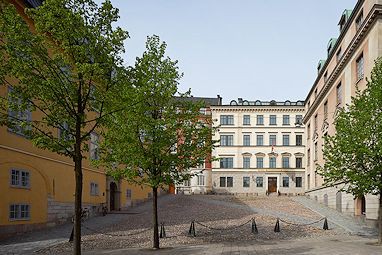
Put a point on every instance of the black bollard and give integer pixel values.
(277, 226)
(162, 231)
(254, 227)
(71, 235)
(326, 227)
(191, 231)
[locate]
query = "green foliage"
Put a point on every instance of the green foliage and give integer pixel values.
(61, 69)
(354, 154)
(158, 139)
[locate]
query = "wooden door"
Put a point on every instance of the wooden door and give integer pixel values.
(272, 184)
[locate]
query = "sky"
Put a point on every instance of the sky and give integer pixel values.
(252, 49)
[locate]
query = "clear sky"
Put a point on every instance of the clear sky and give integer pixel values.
(254, 49)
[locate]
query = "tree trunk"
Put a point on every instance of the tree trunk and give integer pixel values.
(380, 218)
(155, 218)
(78, 199)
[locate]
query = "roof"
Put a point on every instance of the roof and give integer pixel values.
(241, 102)
(207, 100)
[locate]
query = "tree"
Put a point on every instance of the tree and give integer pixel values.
(161, 137)
(353, 156)
(63, 69)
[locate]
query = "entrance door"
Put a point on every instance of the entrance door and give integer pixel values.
(272, 184)
(113, 189)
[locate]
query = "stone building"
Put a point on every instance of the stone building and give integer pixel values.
(261, 148)
(349, 61)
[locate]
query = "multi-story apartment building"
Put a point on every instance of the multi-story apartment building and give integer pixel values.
(350, 59)
(261, 147)
(200, 182)
(37, 186)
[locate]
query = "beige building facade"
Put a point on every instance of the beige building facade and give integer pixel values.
(261, 148)
(350, 59)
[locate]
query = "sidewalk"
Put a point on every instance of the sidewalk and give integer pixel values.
(347, 223)
(312, 246)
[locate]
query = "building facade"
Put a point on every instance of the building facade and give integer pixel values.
(37, 186)
(200, 182)
(261, 149)
(350, 59)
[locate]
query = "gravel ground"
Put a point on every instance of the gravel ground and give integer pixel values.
(178, 212)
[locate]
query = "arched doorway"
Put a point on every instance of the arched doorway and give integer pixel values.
(360, 206)
(113, 192)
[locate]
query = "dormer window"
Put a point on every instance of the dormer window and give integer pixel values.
(359, 21)
(344, 18)
(320, 65)
(331, 44)
(339, 55)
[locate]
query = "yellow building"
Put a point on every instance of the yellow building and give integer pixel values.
(349, 61)
(37, 186)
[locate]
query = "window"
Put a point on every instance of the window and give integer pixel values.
(315, 93)
(201, 180)
(315, 151)
(339, 55)
(94, 150)
(229, 182)
(285, 162)
(315, 123)
(226, 119)
(63, 132)
(326, 109)
(308, 132)
(18, 115)
(19, 212)
(359, 21)
(298, 140)
(246, 182)
(359, 66)
(203, 111)
(272, 162)
(259, 182)
(272, 140)
(226, 140)
(285, 181)
(298, 162)
(128, 193)
(272, 120)
(226, 163)
(308, 159)
(286, 120)
(93, 189)
(20, 178)
(246, 120)
(285, 140)
(246, 162)
(259, 120)
(187, 183)
(222, 181)
(325, 76)
(298, 182)
(260, 140)
(339, 94)
(259, 162)
(246, 140)
(298, 119)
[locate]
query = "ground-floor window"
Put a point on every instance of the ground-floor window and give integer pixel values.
(298, 182)
(19, 212)
(200, 180)
(286, 182)
(259, 182)
(128, 193)
(226, 182)
(246, 182)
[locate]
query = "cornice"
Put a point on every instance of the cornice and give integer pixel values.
(372, 17)
(247, 109)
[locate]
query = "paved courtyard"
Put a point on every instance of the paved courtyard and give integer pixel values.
(222, 225)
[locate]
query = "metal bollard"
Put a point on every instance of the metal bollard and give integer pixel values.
(191, 231)
(326, 227)
(71, 235)
(162, 231)
(254, 227)
(277, 226)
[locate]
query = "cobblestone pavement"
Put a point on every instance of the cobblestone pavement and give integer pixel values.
(349, 224)
(118, 232)
(308, 246)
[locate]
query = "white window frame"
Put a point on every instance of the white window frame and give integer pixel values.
(18, 212)
(20, 183)
(94, 189)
